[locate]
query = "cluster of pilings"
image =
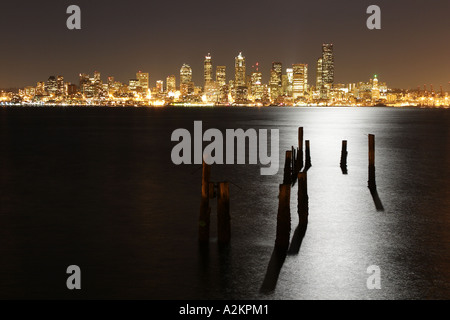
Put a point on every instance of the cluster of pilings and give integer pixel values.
(211, 190)
(295, 170)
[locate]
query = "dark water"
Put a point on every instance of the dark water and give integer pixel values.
(96, 187)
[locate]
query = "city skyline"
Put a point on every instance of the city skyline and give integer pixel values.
(410, 49)
(243, 85)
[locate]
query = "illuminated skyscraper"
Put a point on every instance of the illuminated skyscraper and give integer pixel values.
(239, 71)
(290, 81)
(185, 74)
(143, 79)
(256, 87)
(40, 88)
(319, 74)
(133, 85)
(327, 70)
(208, 70)
(275, 80)
(84, 82)
(186, 84)
(221, 75)
(300, 80)
(60, 86)
(171, 83)
(159, 86)
(51, 86)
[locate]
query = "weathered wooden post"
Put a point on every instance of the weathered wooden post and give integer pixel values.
(344, 154)
(307, 155)
(223, 213)
(372, 183)
(302, 198)
(205, 210)
(283, 218)
(287, 168)
(300, 149)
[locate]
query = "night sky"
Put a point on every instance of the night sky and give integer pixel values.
(120, 38)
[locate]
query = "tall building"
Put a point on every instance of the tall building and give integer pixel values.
(159, 86)
(300, 80)
(221, 76)
(208, 70)
(319, 74)
(143, 79)
(256, 87)
(290, 80)
(275, 80)
(133, 85)
(185, 74)
(84, 82)
(239, 71)
(186, 84)
(327, 70)
(60, 86)
(171, 84)
(51, 86)
(40, 88)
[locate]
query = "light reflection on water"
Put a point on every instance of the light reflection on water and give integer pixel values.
(96, 187)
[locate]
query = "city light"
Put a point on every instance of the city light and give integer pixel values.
(293, 87)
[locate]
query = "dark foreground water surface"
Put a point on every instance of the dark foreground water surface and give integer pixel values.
(96, 187)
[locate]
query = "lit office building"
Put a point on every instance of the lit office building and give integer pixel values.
(51, 86)
(256, 87)
(327, 70)
(60, 86)
(319, 74)
(186, 84)
(275, 80)
(300, 80)
(221, 75)
(40, 88)
(143, 80)
(159, 86)
(208, 70)
(171, 83)
(239, 70)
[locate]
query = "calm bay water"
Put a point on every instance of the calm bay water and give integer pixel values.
(96, 187)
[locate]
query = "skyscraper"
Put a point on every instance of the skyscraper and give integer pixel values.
(171, 84)
(327, 70)
(275, 80)
(319, 74)
(221, 75)
(186, 84)
(60, 86)
(143, 81)
(239, 70)
(222, 86)
(160, 86)
(208, 70)
(290, 80)
(51, 86)
(300, 80)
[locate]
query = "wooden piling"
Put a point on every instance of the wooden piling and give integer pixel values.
(205, 210)
(302, 197)
(300, 149)
(283, 218)
(344, 154)
(307, 155)
(371, 181)
(287, 168)
(223, 213)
